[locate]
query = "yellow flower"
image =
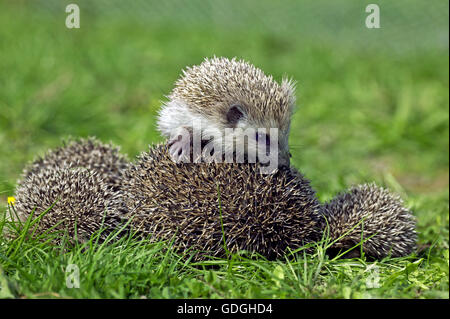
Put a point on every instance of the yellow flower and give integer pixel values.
(11, 200)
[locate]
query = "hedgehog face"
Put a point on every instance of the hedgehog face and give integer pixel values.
(228, 94)
(263, 137)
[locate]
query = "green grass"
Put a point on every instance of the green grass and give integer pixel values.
(131, 268)
(364, 115)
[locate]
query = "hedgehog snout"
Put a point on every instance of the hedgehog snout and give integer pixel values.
(284, 159)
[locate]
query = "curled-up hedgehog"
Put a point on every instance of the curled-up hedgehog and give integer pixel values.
(76, 186)
(373, 216)
(202, 205)
(72, 200)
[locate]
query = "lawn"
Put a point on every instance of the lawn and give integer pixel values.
(371, 107)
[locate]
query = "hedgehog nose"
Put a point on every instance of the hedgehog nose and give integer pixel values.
(283, 161)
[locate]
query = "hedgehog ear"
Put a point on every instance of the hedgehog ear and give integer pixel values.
(234, 114)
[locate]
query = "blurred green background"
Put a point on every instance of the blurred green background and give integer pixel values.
(372, 103)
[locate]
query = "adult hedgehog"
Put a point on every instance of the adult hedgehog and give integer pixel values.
(205, 207)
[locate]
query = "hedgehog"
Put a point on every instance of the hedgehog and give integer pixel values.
(75, 200)
(232, 108)
(371, 215)
(215, 208)
(79, 182)
(90, 153)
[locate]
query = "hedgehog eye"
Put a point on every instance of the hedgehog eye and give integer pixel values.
(264, 138)
(234, 114)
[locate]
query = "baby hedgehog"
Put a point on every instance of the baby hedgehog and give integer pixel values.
(226, 101)
(374, 216)
(78, 183)
(75, 200)
(190, 202)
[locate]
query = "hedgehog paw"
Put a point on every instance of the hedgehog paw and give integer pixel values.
(179, 149)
